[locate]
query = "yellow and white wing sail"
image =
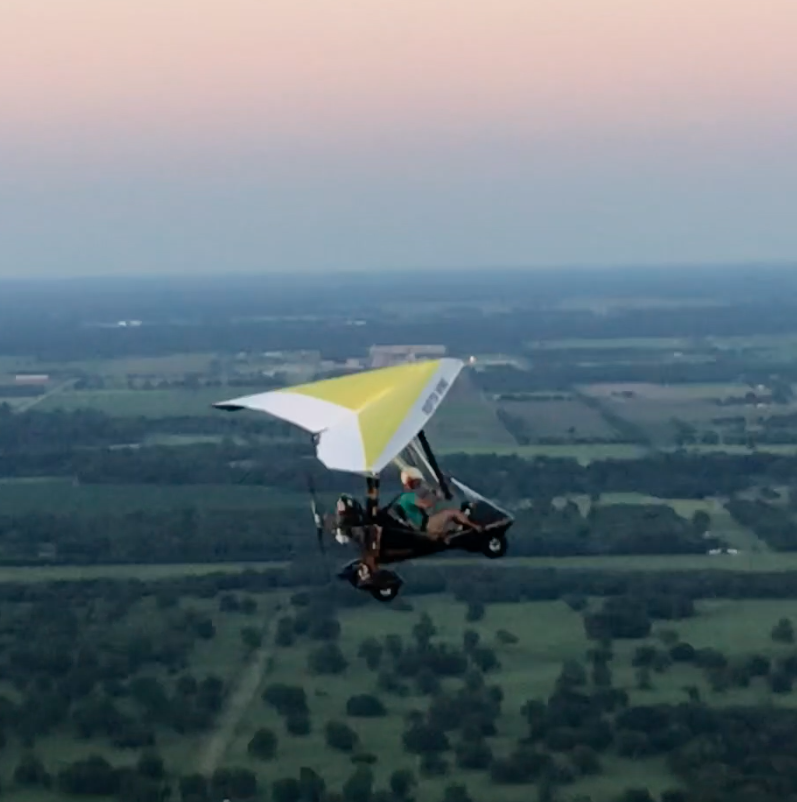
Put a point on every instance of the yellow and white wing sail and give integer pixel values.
(362, 421)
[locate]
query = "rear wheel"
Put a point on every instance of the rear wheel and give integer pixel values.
(495, 547)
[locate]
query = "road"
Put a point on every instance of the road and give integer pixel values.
(28, 405)
(238, 703)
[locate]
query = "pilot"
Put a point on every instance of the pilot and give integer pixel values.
(417, 502)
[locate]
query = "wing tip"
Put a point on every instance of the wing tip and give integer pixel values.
(228, 406)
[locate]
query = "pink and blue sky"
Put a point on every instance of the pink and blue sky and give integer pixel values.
(257, 135)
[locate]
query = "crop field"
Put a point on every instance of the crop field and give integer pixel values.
(467, 420)
(582, 453)
(653, 407)
(147, 403)
(568, 418)
(681, 344)
(163, 367)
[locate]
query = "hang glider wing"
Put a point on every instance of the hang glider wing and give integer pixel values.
(364, 420)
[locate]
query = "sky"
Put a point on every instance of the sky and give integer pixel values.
(212, 136)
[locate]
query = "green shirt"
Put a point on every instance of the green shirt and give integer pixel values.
(408, 504)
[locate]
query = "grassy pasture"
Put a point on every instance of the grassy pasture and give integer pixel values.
(549, 634)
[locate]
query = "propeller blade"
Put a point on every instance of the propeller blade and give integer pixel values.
(317, 518)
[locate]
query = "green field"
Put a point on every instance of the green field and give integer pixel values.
(583, 453)
(549, 633)
(222, 656)
(761, 560)
(560, 419)
(148, 403)
(59, 496)
(170, 366)
(467, 420)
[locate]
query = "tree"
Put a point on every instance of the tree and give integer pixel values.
(403, 784)
(456, 792)
(365, 706)
(780, 682)
(31, 771)
(470, 640)
(643, 679)
(359, 787)
(234, 783)
(683, 653)
(572, 675)
(298, 724)
(371, 651)
(484, 658)
(263, 744)
(601, 675)
(340, 736)
(252, 638)
(576, 602)
(475, 611)
(474, 755)
(324, 628)
(424, 630)
(93, 776)
(327, 659)
(150, 764)
(205, 629)
(433, 765)
(312, 787)
(783, 631)
(287, 789)
(194, 787)
(636, 795)
(427, 682)
(701, 522)
(586, 760)
(421, 739)
(286, 699)
(285, 636)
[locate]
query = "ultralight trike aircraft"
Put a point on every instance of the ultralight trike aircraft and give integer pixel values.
(363, 422)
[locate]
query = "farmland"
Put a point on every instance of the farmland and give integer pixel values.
(646, 445)
(530, 644)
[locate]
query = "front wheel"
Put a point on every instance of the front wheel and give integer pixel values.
(495, 547)
(385, 594)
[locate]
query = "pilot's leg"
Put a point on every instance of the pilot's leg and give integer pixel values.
(439, 525)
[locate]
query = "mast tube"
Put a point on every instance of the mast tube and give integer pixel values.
(427, 450)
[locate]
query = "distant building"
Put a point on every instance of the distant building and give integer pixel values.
(31, 378)
(382, 356)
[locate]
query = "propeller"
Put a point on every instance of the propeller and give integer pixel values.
(317, 517)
